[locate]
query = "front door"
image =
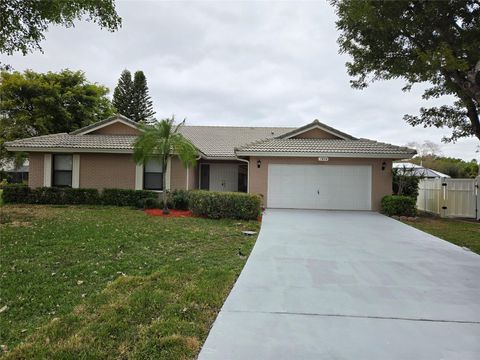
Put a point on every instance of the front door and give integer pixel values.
(223, 177)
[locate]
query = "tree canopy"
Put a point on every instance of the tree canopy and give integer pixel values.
(419, 41)
(456, 168)
(122, 95)
(24, 22)
(132, 99)
(33, 104)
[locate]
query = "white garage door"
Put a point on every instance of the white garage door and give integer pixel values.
(335, 187)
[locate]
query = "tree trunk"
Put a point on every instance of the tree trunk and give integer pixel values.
(164, 175)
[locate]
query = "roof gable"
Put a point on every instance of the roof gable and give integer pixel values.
(114, 125)
(316, 130)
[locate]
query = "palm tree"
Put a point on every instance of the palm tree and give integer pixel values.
(161, 141)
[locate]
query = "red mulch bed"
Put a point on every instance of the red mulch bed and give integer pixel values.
(173, 213)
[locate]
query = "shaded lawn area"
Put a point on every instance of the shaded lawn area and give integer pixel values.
(465, 233)
(109, 282)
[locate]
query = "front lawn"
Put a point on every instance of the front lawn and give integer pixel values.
(109, 282)
(460, 232)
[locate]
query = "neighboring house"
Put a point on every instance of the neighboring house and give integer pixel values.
(410, 169)
(13, 173)
(311, 167)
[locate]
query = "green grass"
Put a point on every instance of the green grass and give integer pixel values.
(112, 283)
(464, 233)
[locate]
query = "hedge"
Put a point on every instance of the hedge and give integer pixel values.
(217, 205)
(398, 205)
(179, 199)
(21, 194)
(124, 197)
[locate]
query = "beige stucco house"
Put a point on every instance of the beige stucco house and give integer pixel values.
(311, 167)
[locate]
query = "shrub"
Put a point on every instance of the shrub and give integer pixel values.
(17, 194)
(217, 205)
(47, 195)
(124, 197)
(22, 194)
(179, 199)
(81, 196)
(398, 205)
(405, 183)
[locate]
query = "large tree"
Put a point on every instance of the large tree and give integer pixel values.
(33, 104)
(24, 22)
(142, 103)
(122, 95)
(419, 41)
(131, 98)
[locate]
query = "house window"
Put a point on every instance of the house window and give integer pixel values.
(152, 175)
(62, 170)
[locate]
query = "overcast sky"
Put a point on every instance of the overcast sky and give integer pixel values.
(239, 63)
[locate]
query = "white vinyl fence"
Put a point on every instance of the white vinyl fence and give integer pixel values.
(450, 197)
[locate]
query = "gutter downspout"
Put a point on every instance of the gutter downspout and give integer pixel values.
(248, 172)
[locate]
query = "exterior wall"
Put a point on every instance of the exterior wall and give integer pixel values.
(107, 171)
(116, 128)
(35, 169)
(192, 178)
(381, 179)
(315, 134)
(178, 174)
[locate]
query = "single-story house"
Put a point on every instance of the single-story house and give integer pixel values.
(311, 167)
(410, 169)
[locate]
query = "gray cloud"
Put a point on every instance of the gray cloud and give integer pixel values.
(239, 63)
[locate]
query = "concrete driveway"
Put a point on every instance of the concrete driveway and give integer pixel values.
(349, 285)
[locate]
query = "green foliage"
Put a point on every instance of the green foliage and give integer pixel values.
(398, 205)
(418, 41)
(122, 95)
(16, 194)
(20, 194)
(405, 184)
(124, 197)
(25, 22)
(33, 104)
(456, 168)
(179, 199)
(141, 101)
(228, 205)
(81, 196)
(131, 98)
(161, 141)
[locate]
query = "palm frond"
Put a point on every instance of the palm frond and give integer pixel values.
(161, 140)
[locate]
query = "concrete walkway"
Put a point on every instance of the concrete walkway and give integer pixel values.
(349, 285)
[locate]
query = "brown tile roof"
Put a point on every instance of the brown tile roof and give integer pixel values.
(69, 141)
(212, 141)
(324, 146)
(220, 141)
